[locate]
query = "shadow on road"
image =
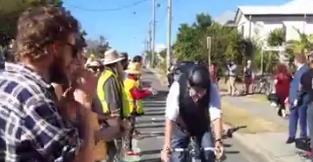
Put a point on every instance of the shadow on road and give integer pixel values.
(232, 152)
(227, 145)
(151, 160)
(153, 105)
(146, 84)
(150, 121)
(154, 110)
(150, 126)
(152, 134)
(148, 72)
(151, 152)
(155, 114)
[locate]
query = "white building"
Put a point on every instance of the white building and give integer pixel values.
(258, 21)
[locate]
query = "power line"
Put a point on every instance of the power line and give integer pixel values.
(107, 9)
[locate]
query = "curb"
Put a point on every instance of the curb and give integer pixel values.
(252, 146)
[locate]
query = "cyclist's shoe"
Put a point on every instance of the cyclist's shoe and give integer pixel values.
(290, 140)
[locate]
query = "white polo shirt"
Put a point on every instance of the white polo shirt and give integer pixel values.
(172, 103)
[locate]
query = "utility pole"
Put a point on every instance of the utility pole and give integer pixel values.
(153, 32)
(150, 37)
(209, 47)
(169, 33)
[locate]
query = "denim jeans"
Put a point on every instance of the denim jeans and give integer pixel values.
(298, 114)
(181, 139)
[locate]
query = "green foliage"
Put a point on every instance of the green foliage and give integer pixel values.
(203, 20)
(10, 11)
(303, 45)
(188, 46)
(226, 43)
(270, 60)
(163, 54)
(98, 47)
(277, 37)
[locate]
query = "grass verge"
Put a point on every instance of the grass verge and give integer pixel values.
(236, 116)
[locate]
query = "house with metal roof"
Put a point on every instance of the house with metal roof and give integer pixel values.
(258, 21)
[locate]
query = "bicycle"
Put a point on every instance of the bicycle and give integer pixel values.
(192, 152)
(263, 85)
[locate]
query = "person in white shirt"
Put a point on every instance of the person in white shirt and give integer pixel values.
(232, 74)
(192, 105)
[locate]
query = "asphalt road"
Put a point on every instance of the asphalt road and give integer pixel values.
(151, 126)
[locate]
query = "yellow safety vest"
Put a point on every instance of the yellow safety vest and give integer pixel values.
(129, 84)
(102, 96)
(140, 102)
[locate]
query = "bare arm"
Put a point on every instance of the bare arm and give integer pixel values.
(218, 128)
(171, 114)
(168, 134)
(215, 112)
(87, 119)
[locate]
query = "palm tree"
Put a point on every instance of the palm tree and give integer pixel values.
(303, 45)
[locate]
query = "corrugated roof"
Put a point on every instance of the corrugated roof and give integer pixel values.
(294, 7)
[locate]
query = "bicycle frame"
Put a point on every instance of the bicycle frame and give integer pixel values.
(189, 152)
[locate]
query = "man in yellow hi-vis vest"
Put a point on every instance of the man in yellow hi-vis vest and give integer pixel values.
(113, 100)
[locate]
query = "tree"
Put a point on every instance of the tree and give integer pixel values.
(303, 45)
(227, 43)
(10, 11)
(98, 47)
(187, 45)
(203, 20)
(277, 37)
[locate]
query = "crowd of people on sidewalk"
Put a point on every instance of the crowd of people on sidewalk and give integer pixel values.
(57, 105)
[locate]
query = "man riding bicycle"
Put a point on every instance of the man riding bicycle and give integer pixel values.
(192, 104)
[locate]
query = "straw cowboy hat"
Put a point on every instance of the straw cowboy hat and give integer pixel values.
(133, 68)
(111, 56)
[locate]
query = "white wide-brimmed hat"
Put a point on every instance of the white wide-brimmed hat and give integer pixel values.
(111, 56)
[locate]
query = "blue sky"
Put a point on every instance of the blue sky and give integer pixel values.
(126, 29)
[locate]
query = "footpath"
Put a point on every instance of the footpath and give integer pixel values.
(265, 132)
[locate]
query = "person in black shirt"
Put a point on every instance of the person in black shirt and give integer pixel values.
(306, 96)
